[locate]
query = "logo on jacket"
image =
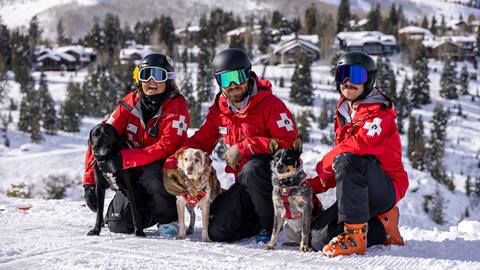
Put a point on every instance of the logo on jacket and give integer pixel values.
(373, 127)
(180, 125)
(285, 122)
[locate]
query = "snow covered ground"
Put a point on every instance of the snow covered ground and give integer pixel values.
(52, 234)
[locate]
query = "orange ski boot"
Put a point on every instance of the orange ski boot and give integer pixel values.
(389, 220)
(352, 240)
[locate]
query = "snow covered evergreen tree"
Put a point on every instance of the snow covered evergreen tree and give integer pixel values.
(204, 74)
(386, 77)
(47, 105)
(448, 80)
(323, 120)
(374, 18)
(70, 115)
(403, 105)
(311, 19)
(303, 124)
(464, 79)
(343, 15)
(420, 90)
(438, 205)
(418, 157)
(301, 91)
(412, 126)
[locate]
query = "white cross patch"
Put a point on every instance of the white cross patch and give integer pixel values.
(373, 127)
(285, 122)
(180, 125)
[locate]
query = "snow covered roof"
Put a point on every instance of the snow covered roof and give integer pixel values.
(240, 30)
(83, 53)
(292, 43)
(57, 56)
(457, 40)
(190, 29)
(141, 50)
(359, 38)
(412, 29)
(312, 38)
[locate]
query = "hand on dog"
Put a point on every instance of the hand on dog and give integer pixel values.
(174, 181)
(111, 164)
(233, 157)
(90, 198)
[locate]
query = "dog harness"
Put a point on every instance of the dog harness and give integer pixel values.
(287, 187)
(193, 200)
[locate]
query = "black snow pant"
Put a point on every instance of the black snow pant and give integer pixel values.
(364, 191)
(247, 206)
(155, 204)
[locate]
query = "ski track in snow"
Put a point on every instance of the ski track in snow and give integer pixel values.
(52, 235)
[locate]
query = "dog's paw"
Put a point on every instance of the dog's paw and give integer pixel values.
(94, 232)
(180, 237)
(304, 248)
(140, 233)
(270, 246)
(206, 239)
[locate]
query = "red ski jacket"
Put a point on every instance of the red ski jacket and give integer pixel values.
(263, 118)
(371, 131)
(171, 120)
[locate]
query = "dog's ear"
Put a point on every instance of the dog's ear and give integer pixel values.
(273, 145)
(208, 160)
(179, 154)
(298, 144)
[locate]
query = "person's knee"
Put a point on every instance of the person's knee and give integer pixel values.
(349, 163)
(256, 173)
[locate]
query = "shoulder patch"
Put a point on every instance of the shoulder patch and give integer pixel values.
(373, 127)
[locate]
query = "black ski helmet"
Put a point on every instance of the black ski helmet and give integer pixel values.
(157, 60)
(231, 59)
(363, 60)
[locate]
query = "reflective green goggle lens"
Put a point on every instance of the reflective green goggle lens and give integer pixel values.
(225, 79)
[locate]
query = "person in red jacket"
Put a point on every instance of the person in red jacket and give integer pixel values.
(153, 119)
(365, 165)
(247, 116)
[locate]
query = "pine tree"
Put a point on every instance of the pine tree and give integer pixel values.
(418, 157)
(143, 32)
(468, 188)
(386, 77)
(95, 37)
(167, 33)
(5, 46)
(476, 187)
(437, 141)
(433, 25)
(70, 116)
(403, 105)
(61, 40)
(34, 33)
(311, 18)
(48, 112)
(448, 80)
(266, 37)
(237, 42)
(424, 23)
(35, 134)
(301, 91)
(204, 75)
(276, 19)
(281, 82)
(343, 15)
(374, 19)
(22, 60)
(412, 127)
(112, 35)
(436, 211)
(390, 26)
(323, 119)
(464, 79)
(303, 124)
(195, 109)
(420, 90)
(187, 86)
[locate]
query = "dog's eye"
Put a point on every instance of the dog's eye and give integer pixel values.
(186, 159)
(197, 160)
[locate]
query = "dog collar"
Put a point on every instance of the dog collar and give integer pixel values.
(294, 180)
(193, 200)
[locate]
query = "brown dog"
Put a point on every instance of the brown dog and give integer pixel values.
(200, 187)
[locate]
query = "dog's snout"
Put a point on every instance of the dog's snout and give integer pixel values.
(280, 166)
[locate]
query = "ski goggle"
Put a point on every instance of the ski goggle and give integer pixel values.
(158, 74)
(226, 78)
(356, 74)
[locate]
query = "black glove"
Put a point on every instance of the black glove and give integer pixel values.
(90, 197)
(111, 164)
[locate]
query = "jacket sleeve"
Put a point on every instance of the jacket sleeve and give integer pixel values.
(281, 126)
(172, 137)
(323, 181)
(368, 139)
(119, 121)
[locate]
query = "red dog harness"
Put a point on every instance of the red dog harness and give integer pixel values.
(285, 193)
(193, 200)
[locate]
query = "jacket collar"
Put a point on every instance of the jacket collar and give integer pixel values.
(375, 98)
(133, 101)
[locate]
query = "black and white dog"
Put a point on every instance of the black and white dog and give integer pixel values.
(105, 141)
(293, 200)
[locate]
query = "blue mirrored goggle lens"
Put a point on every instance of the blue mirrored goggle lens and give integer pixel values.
(225, 79)
(356, 74)
(157, 74)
